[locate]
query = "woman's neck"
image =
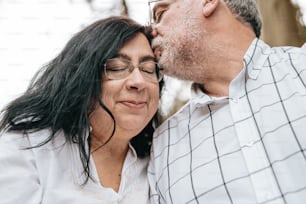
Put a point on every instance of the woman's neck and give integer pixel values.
(109, 160)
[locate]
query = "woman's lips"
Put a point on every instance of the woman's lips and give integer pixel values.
(134, 104)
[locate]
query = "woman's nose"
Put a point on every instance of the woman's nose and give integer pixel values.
(136, 80)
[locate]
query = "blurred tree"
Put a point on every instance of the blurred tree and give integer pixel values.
(282, 23)
(125, 8)
(136, 9)
(105, 8)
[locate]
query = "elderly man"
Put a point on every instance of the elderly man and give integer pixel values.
(242, 136)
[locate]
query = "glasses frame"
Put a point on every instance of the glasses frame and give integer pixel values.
(130, 67)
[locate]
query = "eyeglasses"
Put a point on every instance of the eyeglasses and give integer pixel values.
(119, 68)
(151, 4)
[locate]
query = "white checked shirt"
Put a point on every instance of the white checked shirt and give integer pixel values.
(246, 148)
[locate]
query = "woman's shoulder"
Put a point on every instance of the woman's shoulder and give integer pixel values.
(24, 140)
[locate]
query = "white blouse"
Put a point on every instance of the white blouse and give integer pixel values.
(53, 174)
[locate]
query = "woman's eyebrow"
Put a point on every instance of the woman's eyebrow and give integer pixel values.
(124, 56)
(141, 58)
(147, 58)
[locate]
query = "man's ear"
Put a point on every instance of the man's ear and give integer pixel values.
(209, 6)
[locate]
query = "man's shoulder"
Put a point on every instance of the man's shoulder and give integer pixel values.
(265, 49)
(289, 50)
(175, 119)
(289, 56)
(263, 55)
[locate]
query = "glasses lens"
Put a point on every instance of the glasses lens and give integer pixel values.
(149, 71)
(148, 67)
(116, 68)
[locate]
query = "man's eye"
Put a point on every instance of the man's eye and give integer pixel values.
(158, 15)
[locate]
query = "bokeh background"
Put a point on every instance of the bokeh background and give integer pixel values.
(32, 32)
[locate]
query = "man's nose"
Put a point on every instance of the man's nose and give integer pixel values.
(154, 30)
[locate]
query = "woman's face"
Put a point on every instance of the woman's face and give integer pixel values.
(133, 100)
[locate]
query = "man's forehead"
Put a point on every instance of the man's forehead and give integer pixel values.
(158, 3)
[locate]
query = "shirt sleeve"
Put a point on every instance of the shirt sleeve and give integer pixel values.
(19, 181)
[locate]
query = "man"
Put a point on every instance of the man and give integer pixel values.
(242, 137)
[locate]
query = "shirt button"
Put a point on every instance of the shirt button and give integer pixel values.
(235, 100)
(250, 144)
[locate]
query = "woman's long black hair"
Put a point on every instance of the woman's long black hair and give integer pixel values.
(63, 94)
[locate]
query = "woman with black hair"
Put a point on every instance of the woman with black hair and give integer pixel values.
(82, 131)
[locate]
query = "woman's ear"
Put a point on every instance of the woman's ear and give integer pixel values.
(209, 6)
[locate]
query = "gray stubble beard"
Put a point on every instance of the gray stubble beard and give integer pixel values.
(184, 52)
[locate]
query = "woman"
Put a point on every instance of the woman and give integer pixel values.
(82, 131)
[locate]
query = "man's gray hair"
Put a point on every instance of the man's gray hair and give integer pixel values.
(247, 11)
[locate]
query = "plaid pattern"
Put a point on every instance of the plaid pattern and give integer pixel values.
(246, 148)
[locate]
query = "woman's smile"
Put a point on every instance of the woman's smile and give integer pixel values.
(134, 104)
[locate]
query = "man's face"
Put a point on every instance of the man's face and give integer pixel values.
(177, 36)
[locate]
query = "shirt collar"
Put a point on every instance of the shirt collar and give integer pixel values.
(255, 57)
(199, 98)
(253, 60)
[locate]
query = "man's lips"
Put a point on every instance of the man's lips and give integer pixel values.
(158, 52)
(156, 46)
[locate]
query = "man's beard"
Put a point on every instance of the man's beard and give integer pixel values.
(180, 56)
(182, 47)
